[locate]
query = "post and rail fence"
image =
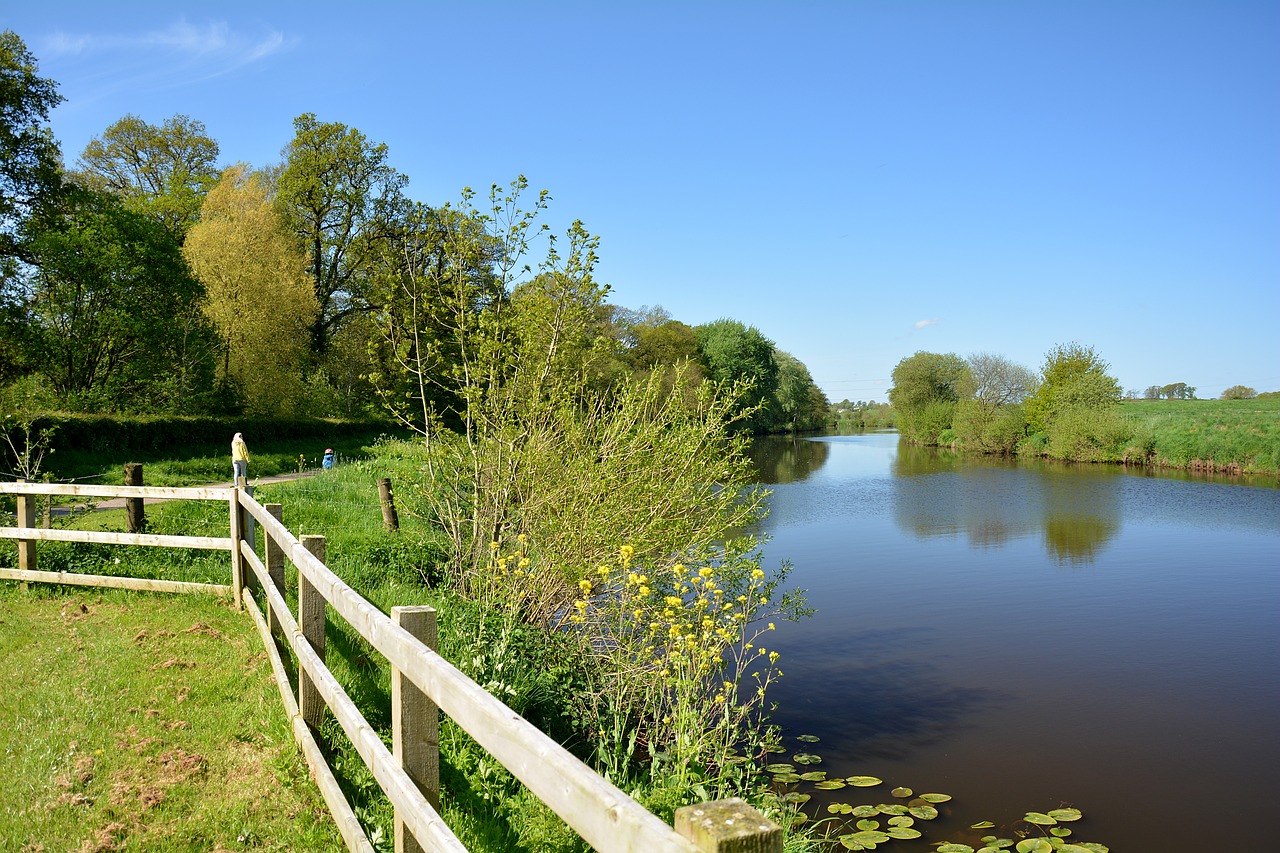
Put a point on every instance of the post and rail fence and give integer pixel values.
(423, 684)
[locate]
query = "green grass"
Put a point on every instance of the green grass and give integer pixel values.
(207, 463)
(145, 722)
(1227, 435)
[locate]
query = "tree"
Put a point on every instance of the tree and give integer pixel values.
(993, 381)
(117, 309)
(341, 201)
(1152, 393)
(30, 162)
(258, 295)
(925, 389)
(1073, 376)
(737, 353)
(801, 404)
(1178, 391)
(160, 171)
(1239, 392)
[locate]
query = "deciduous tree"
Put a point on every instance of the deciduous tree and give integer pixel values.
(163, 171)
(1239, 392)
(926, 387)
(1073, 376)
(258, 294)
(341, 201)
(29, 155)
(737, 353)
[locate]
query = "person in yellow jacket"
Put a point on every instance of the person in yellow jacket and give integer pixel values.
(239, 459)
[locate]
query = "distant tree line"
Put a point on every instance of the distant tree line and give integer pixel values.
(150, 278)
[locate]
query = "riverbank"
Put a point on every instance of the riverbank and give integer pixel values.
(1217, 436)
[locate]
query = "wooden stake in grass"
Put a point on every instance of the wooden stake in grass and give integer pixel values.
(135, 515)
(311, 624)
(415, 723)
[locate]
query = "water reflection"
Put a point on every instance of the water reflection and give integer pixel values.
(991, 502)
(788, 460)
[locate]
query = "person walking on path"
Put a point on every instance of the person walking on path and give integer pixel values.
(239, 459)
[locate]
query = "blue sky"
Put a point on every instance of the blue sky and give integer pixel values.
(859, 180)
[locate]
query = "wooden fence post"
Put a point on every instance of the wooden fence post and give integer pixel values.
(275, 570)
(237, 559)
(135, 516)
(415, 723)
(26, 518)
(311, 622)
(728, 826)
(390, 520)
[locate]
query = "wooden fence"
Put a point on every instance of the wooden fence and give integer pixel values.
(422, 682)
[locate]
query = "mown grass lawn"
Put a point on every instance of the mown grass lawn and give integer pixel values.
(145, 722)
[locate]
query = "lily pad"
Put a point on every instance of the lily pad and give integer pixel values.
(903, 832)
(806, 758)
(780, 768)
(808, 738)
(1059, 831)
(865, 811)
(923, 812)
(839, 808)
(864, 781)
(794, 797)
(901, 820)
(891, 808)
(902, 792)
(982, 824)
(868, 824)
(1065, 815)
(953, 847)
(1034, 845)
(1040, 819)
(814, 776)
(1073, 848)
(936, 798)
(830, 785)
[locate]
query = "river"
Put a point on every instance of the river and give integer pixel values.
(1024, 636)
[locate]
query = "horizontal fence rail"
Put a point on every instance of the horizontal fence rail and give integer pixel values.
(606, 817)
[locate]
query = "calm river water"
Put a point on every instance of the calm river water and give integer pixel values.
(1024, 636)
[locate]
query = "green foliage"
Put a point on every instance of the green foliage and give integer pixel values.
(1086, 434)
(339, 197)
(989, 430)
(739, 354)
(162, 172)
(1232, 436)
(1073, 377)
(925, 389)
(117, 311)
(1239, 392)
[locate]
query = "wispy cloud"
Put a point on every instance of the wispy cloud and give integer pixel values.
(181, 53)
(920, 324)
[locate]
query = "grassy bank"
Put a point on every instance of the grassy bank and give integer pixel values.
(1234, 436)
(145, 722)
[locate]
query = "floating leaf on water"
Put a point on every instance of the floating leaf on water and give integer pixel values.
(1094, 847)
(924, 812)
(994, 843)
(1040, 819)
(982, 824)
(903, 832)
(775, 747)
(953, 847)
(794, 797)
(863, 781)
(1065, 815)
(1060, 831)
(839, 808)
(1034, 845)
(799, 818)
(830, 785)
(865, 811)
(787, 777)
(806, 758)
(901, 820)
(868, 824)
(937, 798)
(1080, 848)
(808, 738)
(780, 768)
(850, 843)
(814, 776)
(988, 850)
(891, 808)
(902, 792)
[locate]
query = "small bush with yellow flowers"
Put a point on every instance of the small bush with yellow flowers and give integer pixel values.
(683, 665)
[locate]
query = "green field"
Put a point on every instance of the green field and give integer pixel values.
(1235, 436)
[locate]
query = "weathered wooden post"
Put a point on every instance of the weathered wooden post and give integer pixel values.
(391, 520)
(728, 826)
(275, 569)
(135, 516)
(415, 723)
(311, 623)
(237, 558)
(26, 518)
